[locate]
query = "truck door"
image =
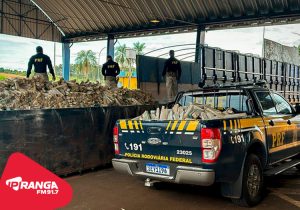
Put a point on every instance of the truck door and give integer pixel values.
(280, 124)
(290, 144)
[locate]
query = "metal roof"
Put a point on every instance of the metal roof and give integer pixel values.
(81, 20)
(22, 18)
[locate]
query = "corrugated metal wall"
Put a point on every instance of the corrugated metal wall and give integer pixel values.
(22, 18)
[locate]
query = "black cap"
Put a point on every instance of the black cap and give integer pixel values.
(39, 49)
(109, 57)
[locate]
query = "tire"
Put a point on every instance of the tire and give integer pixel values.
(252, 184)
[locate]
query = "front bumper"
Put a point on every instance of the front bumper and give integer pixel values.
(182, 175)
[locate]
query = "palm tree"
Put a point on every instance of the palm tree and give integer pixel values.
(121, 54)
(139, 48)
(85, 61)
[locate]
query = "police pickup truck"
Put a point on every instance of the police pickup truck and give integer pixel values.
(235, 152)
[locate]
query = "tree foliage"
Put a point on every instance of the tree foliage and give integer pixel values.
(139, 48)
(12, 71)
(75, 73)
(121, 54)
(86, 60)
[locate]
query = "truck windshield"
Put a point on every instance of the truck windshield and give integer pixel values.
(218, 100)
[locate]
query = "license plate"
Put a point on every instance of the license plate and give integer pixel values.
(158, 169)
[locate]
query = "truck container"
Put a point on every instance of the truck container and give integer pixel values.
(221, 66)
(65, 141)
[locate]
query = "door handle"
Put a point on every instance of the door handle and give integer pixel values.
(289, 122)
(271, 122)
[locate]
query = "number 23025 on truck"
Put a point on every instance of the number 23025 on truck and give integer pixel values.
(237, 152)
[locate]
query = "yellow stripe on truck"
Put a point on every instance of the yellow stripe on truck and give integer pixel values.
(168, 125)
(250, 123)
(181, 125)
(192, 126)
(141, 125)
(235, 124)
(174, 125)
(123, 125)
(230, 121)
(285, 146)
(136, 125)
(130, 125)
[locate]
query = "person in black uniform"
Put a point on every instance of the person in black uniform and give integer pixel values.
(110, 71)
(40, 62)
(172, 71)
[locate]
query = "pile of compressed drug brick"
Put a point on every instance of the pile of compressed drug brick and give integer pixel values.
(193, 111)
(36, 93)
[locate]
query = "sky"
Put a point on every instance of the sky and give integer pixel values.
(16, 51)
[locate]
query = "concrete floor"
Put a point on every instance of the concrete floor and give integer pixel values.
(109, 190)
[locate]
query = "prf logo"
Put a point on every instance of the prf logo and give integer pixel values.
(41, 187)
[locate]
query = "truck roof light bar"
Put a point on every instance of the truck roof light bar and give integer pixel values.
(260, 83)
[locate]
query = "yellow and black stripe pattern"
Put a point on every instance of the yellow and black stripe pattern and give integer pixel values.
(236, 125)
(131, 126)
(187, 127)
(232, 125)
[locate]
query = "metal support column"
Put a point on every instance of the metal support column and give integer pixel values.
(66, 61)
(110, 46)
(2, 17)
(200, 41)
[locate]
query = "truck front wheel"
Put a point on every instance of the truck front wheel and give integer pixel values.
(252, 184)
